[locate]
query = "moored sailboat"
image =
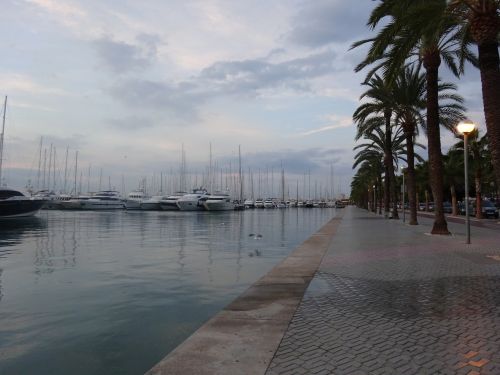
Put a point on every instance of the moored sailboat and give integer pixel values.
(13, 203)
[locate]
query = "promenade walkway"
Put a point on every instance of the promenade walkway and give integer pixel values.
(388, 298)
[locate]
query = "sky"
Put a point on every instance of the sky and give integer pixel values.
(127, 83)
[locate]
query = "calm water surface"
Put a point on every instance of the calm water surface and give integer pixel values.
(113, 292)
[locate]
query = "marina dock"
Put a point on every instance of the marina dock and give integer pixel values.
(363, 295)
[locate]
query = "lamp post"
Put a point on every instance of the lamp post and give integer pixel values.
(374, 200)
(465, 128)
(403, 190)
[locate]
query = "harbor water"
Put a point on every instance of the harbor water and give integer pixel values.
(85, 292)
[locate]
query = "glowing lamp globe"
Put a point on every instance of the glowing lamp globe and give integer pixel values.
(465, 127)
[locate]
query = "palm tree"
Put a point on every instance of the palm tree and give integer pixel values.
(369, 174)
(374, 113)
(410, 96)
(420, 32)
(481, 20)
(478, 149)
(422, 182)
(376, 146)
(454, 170)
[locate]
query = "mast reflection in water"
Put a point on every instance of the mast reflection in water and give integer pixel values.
(113, 292)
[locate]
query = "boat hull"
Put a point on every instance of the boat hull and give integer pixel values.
(132, 204)
(101, 205)
(190, 206)
(20, 208)
(150, 206)
(169, 206)
(218, 206)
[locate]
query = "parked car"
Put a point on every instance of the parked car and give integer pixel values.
(421, 206)
(447, 207)
(487, 208)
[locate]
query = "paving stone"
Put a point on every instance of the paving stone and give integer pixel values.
(389, 299)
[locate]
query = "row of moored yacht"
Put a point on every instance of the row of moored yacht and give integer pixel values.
(15, 204)
(198, 199)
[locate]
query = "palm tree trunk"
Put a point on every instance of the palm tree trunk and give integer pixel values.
(374, 200)
(490, 81)
(380, 195)
(387, 163)
(426, 200)
(394, 192)
(432, 61)
(410, 171)
(454, 201)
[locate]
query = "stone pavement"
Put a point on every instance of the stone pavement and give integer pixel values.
(390, 299)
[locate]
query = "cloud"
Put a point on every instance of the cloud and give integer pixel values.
(121, 57)
(22, 83)
(239, 78)
(63, 11)
(293, 161)
(322, 22)
(131, 123)
(181, 99)
(338, 122)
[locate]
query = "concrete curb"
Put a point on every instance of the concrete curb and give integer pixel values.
(243, 337)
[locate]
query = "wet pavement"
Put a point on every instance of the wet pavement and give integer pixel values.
(389, 298)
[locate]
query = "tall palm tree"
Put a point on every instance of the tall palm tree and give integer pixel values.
(377, 111)
(478, 149)
(367, 176)
(376, 145)
(409, 96)
(481, 20)
(420, 32)
(454, 170)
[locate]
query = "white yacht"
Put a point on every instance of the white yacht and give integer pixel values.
(259, 203)
(152, 204)
(74, 203)
(48, 196)
(104, 200)
(249, 203)
(135, 199)
(170, 203)
(269, 203)
(193, 201)
(281, 204)
(219, 202)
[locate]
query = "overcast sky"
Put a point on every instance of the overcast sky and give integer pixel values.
(127, 82)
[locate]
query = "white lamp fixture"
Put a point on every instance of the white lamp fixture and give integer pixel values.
(465, 127)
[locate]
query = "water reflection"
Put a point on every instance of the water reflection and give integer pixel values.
(12, 233)
(91, 287)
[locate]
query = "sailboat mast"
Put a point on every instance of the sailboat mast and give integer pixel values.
(39, 164)
(282, 184)
(1, 137)
(66, 170)
(54, 169)
(241, 177)
(76, 170)
(210, 187)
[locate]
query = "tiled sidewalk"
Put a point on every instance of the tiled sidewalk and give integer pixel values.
(391, 299)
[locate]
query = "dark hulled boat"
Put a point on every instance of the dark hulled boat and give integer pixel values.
(14, 204)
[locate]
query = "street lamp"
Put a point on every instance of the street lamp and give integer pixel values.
(374, 200)
(403, 190)
(465, 128)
